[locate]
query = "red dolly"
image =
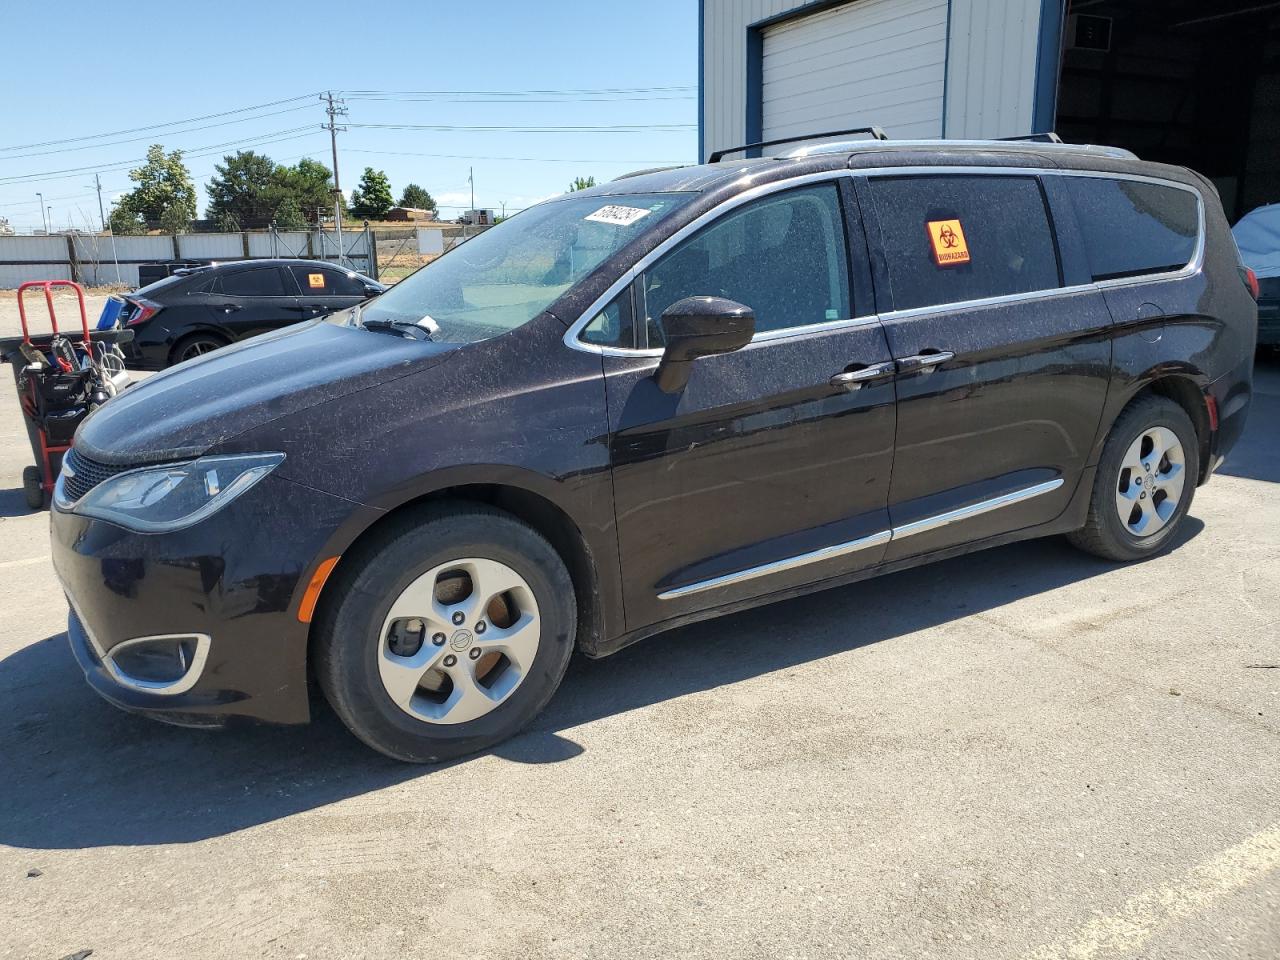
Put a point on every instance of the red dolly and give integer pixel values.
(59, 382)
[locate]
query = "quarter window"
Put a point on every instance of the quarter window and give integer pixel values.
(612, 326)
(783, 255)
(254, 283)
(947, 239)
(1133, 228)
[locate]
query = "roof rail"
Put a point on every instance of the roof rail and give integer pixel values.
(1049, 137)
(641, 173)
(875, 132)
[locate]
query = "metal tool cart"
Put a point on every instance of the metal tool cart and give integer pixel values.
(60, 380)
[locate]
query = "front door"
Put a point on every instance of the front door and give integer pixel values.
(1003, 359)
(771, 467)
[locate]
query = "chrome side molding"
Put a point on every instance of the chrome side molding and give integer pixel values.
(778, 566)
(875, 539)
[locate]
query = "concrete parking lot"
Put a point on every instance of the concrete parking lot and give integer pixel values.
(1026, 753)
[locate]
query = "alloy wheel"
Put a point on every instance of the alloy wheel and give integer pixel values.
(458, 641)
(198, 348)
(1152, 475)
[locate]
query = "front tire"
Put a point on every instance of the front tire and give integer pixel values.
(1144, 484)
(33, 487)
(445, 633)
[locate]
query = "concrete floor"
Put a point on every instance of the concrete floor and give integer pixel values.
(1027, 753)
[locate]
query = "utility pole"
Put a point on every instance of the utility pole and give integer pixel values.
(335, 109)
(471, 179)
(44, 217)
(97, 180)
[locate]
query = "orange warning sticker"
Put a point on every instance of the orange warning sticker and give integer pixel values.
(949, 245)
(316, 280)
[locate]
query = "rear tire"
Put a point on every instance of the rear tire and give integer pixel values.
(195, 345)
(392, 679)
(33, 487)
(1141, 494)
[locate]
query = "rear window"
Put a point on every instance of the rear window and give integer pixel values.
(1133, 228)
(266, 282)
(948, 239)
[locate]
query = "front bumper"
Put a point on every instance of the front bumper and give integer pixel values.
(237, 578)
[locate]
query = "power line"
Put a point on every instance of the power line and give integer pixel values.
(258, 140)
(458, 99)
(158, 126)
(446, 128)
(459, 156)
(113, 143)
(581, 91)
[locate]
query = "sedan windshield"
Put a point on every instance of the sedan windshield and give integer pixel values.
(507, 275)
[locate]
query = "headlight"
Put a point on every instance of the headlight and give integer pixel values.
(175, 495)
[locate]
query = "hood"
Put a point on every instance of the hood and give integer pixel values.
(190, 408)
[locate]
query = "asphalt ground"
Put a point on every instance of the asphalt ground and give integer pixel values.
(1024, 753)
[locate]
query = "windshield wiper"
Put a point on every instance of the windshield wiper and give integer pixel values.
(399, 326)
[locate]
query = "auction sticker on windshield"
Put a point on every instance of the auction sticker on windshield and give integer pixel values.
(618, 215)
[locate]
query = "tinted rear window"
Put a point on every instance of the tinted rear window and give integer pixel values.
(265, 282)
(1133, 228)
(948, 239)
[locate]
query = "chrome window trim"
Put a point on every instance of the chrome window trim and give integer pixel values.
(572, 335)
(1192, 267)
(851, 546)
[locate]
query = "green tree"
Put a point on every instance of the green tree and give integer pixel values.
(125, 223)
(372, 199)
(310, 183)
(289, 215)
(581, 183)
(417, 197)
(243, 190)
(164, 194)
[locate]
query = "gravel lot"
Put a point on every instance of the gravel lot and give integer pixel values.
(1026, 753)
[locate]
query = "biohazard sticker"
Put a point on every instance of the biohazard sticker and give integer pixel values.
(949, 245)
(315, 280)
(617, 215)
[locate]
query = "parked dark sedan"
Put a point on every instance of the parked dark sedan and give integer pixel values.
(204, 308)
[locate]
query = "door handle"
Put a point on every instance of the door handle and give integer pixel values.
(230, 307)
(924, 361)
(854, 379)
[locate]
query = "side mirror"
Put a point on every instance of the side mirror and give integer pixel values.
(371, 290)
(700, 327)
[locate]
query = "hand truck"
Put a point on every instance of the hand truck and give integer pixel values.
(59, 381)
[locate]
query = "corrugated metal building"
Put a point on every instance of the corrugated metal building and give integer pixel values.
(1183, 81)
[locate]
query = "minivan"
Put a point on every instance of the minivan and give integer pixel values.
(681, 394)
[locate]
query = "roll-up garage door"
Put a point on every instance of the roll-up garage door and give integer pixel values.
(861, 63)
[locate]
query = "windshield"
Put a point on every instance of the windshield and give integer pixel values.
(506, 276)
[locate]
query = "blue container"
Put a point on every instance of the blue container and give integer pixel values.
(110, 313)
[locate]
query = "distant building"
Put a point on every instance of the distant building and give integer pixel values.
(409, 213)
(484, 218)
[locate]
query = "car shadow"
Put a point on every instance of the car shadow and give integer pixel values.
(13, 503)
(78, 773)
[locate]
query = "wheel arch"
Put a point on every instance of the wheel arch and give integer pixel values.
(538, 511)
(198, 330)
(1186, 391)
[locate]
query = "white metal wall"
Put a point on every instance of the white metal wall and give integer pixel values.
(855, 65)
(989, 69)
(106, 260)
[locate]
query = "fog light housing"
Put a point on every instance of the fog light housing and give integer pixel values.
(167, 664)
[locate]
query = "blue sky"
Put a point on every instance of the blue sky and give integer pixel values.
(89, 70)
